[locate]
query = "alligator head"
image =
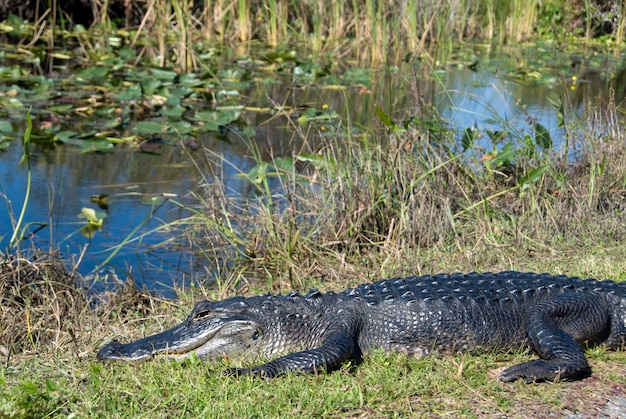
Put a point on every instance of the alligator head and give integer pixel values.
(212, 330)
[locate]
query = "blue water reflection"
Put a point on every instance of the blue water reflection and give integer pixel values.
(64, 179)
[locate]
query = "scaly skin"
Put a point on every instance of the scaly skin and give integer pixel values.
(554, 315)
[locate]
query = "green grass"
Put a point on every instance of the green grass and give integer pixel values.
(62, 377)
(382, 386)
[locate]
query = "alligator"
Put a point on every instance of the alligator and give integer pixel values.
(554, 315)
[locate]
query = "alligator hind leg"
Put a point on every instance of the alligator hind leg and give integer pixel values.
(555, 328)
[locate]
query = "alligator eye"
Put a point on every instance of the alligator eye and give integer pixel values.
(201, 314)
(256, 335)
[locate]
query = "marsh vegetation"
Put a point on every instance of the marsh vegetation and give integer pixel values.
(344, 173)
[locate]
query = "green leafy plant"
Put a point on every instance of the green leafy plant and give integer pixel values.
(18, 230)
(95, 220)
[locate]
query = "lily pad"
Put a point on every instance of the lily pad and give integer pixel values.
(149, 127)
(6, 127)
(163, 75)
(66, 136)
(95, 75)
(174, 112)
(179, 93)
(214, 120)
(96, 145)
(4, 142)
(63, 108)
(181, 127)
(132, 92)
(150, 85)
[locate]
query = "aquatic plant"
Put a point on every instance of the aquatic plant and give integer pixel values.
(18, 227)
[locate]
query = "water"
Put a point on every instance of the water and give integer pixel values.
(64, 179)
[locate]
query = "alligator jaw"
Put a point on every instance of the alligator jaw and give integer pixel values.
(210, 340)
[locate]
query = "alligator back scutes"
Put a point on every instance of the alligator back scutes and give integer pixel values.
(480, 287)
(277, 302)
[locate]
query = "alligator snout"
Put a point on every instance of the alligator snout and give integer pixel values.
(117, 351)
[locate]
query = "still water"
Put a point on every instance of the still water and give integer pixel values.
(64, 179)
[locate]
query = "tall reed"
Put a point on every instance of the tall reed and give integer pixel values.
(369, 30)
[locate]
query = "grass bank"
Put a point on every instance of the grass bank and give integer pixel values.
(60, 377)
(402, 197)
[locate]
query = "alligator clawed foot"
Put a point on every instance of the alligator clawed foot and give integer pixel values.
(532, 371)
(543, 370)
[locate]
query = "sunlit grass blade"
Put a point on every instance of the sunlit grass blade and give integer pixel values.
(25, 159)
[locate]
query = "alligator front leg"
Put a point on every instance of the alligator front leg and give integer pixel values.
(555, 329)
(337, 348)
